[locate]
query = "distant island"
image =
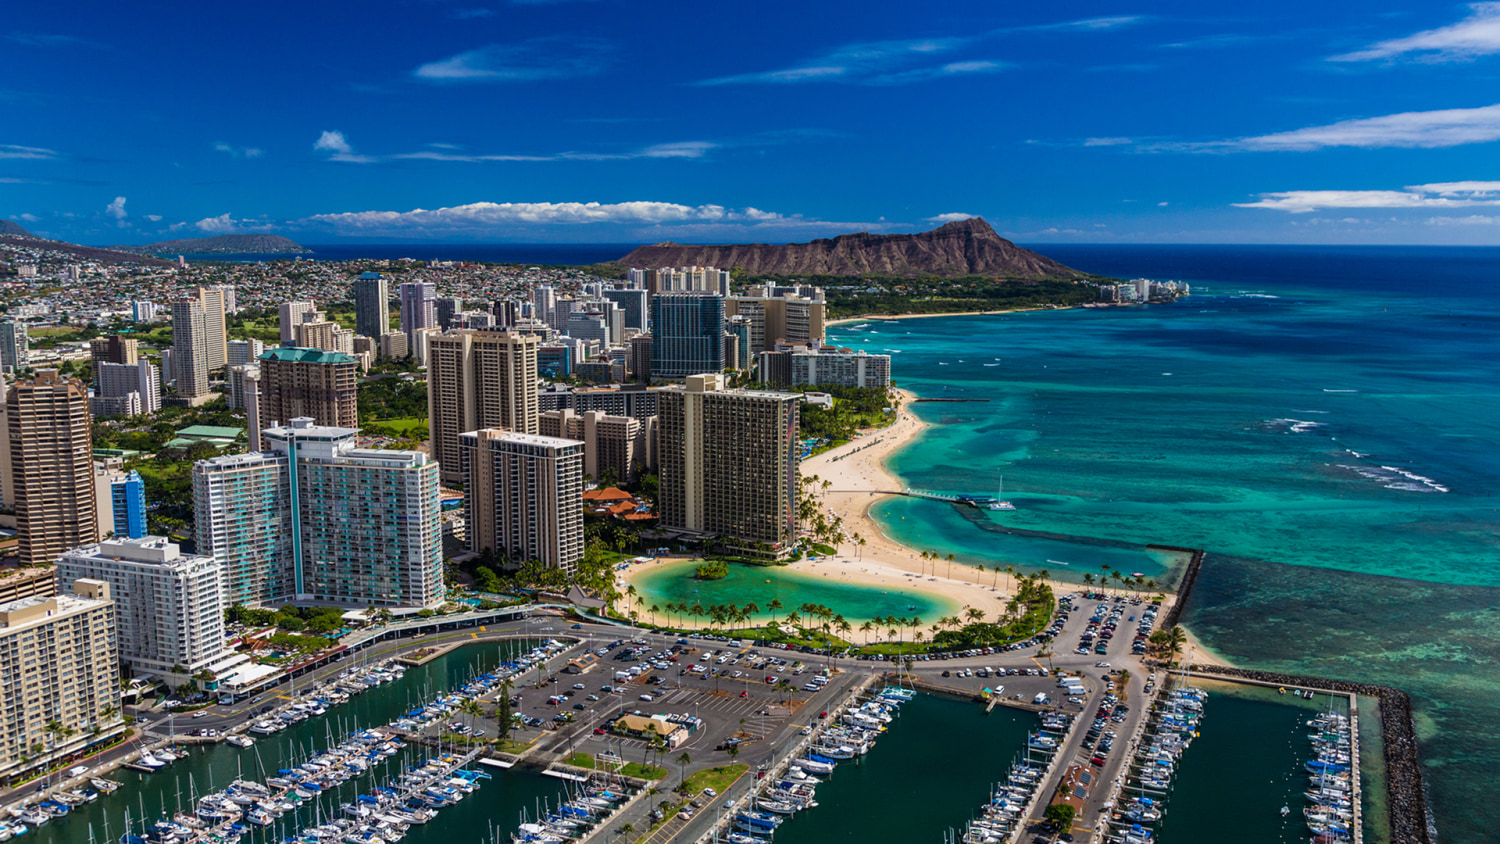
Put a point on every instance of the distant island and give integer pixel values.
(960, 249)
(224, 244)
(11, 227)
(15, 239)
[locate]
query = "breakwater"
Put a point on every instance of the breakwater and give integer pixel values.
(1184, 587)
(1405, 796)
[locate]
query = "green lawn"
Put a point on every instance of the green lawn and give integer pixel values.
(629, 769)
(511, 746)
(405, 426)
(719, 779)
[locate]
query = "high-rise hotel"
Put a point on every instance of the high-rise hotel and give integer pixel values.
(478, 379)
(523, 496)
(729, 464)
(316, 518)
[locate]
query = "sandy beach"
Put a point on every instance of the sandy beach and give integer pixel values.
(858, 477)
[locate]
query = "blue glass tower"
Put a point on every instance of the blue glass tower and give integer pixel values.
(128, 494)
(687, 334)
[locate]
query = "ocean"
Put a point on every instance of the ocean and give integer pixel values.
(1323, 421)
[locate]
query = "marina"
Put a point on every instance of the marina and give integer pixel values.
(178, 788)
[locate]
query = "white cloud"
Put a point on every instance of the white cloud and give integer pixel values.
(339, 149)
(1420, 129)
(116, 209)
(238, 152)
(155, 218)
(550, 57)
(1476, 35)
(1106, 142)
(950, 217)
(1411, 130)
(1471, 220)
(951, 69)
(1161, 205)
(221, 224)
(1432, 196)
(490, 214)
(14, 151)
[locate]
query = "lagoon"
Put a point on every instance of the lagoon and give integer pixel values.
(674, 583)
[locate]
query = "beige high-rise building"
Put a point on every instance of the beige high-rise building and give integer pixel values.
(214, 309)
(612, 445)
(729, 464)
(793, 319)
(312, 383)
(478, 379)
(523, 496)
(314, 335)
(114, 349)
(58, 658)
(292, 314)
(191, 356)
(51, 454)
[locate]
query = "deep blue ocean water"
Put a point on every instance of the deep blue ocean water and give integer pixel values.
(1323, 421)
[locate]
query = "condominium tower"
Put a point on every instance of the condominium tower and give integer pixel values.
(418, 308)
(478, 379)
(292, 315)
(51, 451)
(372, 305)
(523, 496)
(192, 357)
(169, 607)
(58, 658)
(316, 518)
(728, 463)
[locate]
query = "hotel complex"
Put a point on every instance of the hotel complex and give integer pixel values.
(523, 496)
(729, 464)
(317, 519)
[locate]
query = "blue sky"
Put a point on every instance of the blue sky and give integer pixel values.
(617, 120)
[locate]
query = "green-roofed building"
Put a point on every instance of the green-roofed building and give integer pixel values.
(219, 436)
(300, 383)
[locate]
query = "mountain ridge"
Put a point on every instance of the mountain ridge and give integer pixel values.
(961, 248)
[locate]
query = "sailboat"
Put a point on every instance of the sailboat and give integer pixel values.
(1000, 503)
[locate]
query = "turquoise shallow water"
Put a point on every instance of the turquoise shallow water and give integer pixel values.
(674, 583)
(1323, 422)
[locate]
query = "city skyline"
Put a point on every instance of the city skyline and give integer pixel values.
(1107, 122)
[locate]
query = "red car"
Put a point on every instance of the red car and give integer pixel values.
(600, 731)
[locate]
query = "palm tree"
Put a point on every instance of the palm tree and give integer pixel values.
(865, 629)
(733, 750)
(1088, 579)
(682, 762)
(975, 614)
(774, 606)
(654, 611)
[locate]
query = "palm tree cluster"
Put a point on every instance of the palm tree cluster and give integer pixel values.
(1128, 582)
(1026, 613)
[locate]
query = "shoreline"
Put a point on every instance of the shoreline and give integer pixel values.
(864, 317)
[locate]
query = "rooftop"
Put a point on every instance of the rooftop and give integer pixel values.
(210, 432)
(305, 356)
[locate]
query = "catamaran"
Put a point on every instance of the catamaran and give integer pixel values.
(1000, 503)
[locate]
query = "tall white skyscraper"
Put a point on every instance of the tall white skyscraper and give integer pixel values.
(215, 306)
(245, 351)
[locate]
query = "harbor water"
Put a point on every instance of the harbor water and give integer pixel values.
(1322, 421)
(212, 767)
(1243, 767)
(927, 775)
